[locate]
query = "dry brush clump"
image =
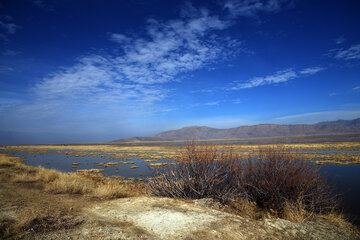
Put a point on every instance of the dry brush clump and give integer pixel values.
(202, 171)
(275, 180)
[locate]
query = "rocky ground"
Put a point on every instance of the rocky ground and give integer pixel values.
(164, 218)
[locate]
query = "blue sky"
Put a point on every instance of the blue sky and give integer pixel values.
(95, 71)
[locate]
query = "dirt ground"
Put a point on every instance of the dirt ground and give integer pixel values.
(164, 218)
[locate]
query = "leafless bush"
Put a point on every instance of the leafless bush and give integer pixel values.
(273, 177)
(202, 171)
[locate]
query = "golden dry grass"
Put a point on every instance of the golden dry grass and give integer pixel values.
(160, 164)
(295, 212)
(244, 208)
(30, 201)
(70, 183)
(338, 219)
(85, 182)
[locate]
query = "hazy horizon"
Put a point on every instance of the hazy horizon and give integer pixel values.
(89, 71)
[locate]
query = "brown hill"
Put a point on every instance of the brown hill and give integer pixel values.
(255, 131)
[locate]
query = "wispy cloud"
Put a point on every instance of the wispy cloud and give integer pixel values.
(351, 53)
(340, 40)
(6, 103)
(119, 38)
(311, 70)
(5, 69)
(314, 117)
(8, 26)
(203, 91)
(277, 77)
(251, 8)
(135, 82)
(237, 101)
(212, 103)
(11, 53)
(332, 94)
(169, 49)
(356, 88)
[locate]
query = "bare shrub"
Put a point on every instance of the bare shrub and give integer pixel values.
(277, 181)
(274, 176)
(202, 171)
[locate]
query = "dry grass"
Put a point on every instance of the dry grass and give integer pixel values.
(243, 207)
(85, 182)
(7, 161)
(30, 201)
(160, 164)
(70, 183)
(117, 189)
(295, 212)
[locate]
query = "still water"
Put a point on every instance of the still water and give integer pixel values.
(63, 163)
(346, 180)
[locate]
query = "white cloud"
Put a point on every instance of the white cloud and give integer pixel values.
(135, 79)
(314, 117)
(250, 8)
(332, 94)
(311, 70)
(356, 88)
(212, 103)
(277, 77)
(118, 38)
(351, 53)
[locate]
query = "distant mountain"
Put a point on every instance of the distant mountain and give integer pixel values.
(254, 131)
(354, 123)
(141, 139)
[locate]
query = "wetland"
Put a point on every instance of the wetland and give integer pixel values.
(338, 161)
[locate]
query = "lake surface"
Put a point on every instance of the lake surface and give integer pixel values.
(64, 163)
(346, 179)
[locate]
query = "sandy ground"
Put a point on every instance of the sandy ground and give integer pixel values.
(164, 218)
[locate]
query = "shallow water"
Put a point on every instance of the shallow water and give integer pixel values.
(63, 163)
(346, 180)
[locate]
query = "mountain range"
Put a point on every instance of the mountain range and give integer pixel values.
(254, 131)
